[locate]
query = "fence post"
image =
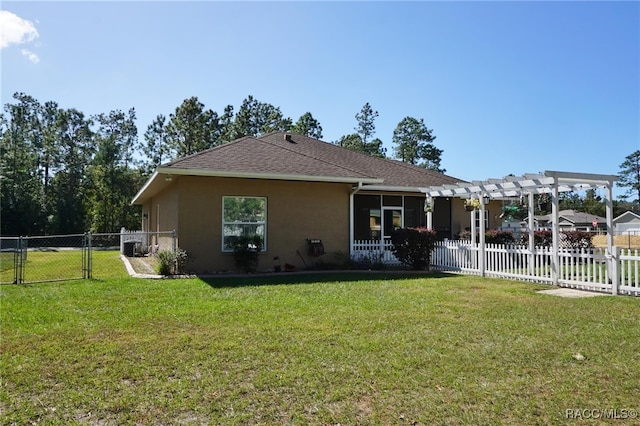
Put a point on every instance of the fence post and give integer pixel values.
(122, 232)
(89, 256)
(613, 268)
(18, 262)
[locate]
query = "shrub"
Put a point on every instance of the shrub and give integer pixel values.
(543, 238)
(576, 239)
(371, 262)
(496, 236)
(170, 263)
(246, 251)
(413, 246)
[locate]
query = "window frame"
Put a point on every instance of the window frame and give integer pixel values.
(225, 223)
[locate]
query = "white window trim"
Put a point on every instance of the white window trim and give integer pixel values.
(264, 223)
(486, 219)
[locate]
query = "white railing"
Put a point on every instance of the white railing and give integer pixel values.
(148, 241)
(585, 268)
(629, 272)
(455, 256)
(374, 251)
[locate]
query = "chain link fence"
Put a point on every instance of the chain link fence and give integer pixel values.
(79, 256)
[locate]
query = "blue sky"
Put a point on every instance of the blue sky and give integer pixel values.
(507, 87)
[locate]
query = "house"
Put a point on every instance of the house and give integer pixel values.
(627, 223)
(571, 220)
(290, 189)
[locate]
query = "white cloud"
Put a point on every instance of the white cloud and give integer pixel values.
(15, 30)
(32, 56)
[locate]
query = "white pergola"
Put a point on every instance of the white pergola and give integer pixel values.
(549, 182)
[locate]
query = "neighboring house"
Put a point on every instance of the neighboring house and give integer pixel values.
(627, 222)
(571, 220)
(289, 189)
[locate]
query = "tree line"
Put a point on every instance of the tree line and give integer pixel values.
(66, 172)
(62, 171)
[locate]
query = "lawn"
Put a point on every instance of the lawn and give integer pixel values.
(60, 264)
(341, 348)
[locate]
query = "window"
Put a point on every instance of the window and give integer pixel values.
(476, 215)
(243, 217)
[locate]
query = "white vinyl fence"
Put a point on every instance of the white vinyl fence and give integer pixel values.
(584, 268)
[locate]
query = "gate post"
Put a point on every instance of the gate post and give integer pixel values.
(89, 256)
(20, 260)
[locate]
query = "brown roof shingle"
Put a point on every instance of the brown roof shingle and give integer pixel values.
(299, 155)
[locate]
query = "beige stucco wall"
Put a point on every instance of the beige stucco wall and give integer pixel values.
(161, 216)
(462, 219)
(295, 211)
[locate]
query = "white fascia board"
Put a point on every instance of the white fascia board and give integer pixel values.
(389, 188)
(270, 176)
(144, 187)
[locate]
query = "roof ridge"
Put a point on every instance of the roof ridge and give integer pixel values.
(313, 156)
(367, 156)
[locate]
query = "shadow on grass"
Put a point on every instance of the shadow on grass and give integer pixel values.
(315, 277)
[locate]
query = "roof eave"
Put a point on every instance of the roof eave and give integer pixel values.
(139, 197)
(270, 176)
(159, 179)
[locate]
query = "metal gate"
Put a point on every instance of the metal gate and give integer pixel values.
(45, 258)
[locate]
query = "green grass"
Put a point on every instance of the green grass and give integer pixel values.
(55, 265)
(341, 348)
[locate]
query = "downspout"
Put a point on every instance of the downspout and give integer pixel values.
(351, 214)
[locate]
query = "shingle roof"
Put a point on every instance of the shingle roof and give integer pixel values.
(573, 216)
(272, 154)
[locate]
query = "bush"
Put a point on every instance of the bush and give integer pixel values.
(496, 236)
(575, 239)
(170, 263)
(543, 238)
(246, 251)
(413, 246)
(368, 262)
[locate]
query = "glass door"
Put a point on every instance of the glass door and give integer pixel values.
(391, 220)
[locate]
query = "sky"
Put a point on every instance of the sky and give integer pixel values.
(507, 87)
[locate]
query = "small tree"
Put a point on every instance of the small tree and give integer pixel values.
(413, 246)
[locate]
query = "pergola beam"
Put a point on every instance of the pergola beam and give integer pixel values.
(550, 182)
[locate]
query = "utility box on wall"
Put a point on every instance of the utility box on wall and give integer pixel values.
(316, 248)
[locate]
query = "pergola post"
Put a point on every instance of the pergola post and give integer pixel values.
(555, 214)
(473, 228)
(532, 243)
(429, 201)
(612, 252)
(482, 236)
